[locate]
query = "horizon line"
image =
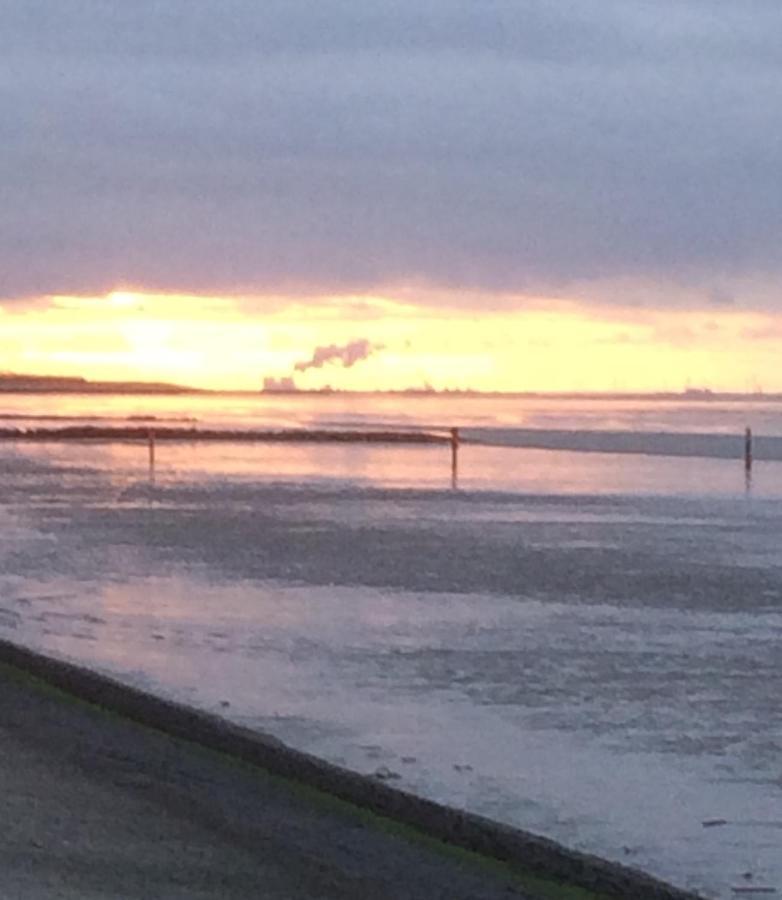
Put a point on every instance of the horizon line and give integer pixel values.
(13, 383)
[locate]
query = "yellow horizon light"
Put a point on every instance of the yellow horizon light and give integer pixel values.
(124, 299)
(224, 343)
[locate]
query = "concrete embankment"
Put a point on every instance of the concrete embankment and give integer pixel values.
(520, 852)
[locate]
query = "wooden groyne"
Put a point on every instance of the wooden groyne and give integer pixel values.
(150, 436)
(288, 435)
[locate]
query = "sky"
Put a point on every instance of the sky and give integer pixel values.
(486, 194)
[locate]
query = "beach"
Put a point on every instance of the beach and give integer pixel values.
(581, 645)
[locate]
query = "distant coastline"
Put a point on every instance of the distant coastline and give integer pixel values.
(57, 384)
(12, 383)
(690, 395)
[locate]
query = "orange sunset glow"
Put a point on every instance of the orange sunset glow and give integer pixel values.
(226, 343)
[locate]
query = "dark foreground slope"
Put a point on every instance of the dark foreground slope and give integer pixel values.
(96, 806)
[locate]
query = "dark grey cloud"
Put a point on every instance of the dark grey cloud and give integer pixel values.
(483, 148)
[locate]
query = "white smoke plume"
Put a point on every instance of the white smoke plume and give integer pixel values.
(347, 354)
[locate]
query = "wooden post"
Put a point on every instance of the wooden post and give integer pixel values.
(151, 439)
(454, 457)
(748, 450)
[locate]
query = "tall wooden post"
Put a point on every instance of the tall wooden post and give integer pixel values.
(454, 458)
(151, 440)
(748, 450)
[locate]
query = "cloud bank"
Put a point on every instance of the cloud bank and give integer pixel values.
(350, 145)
